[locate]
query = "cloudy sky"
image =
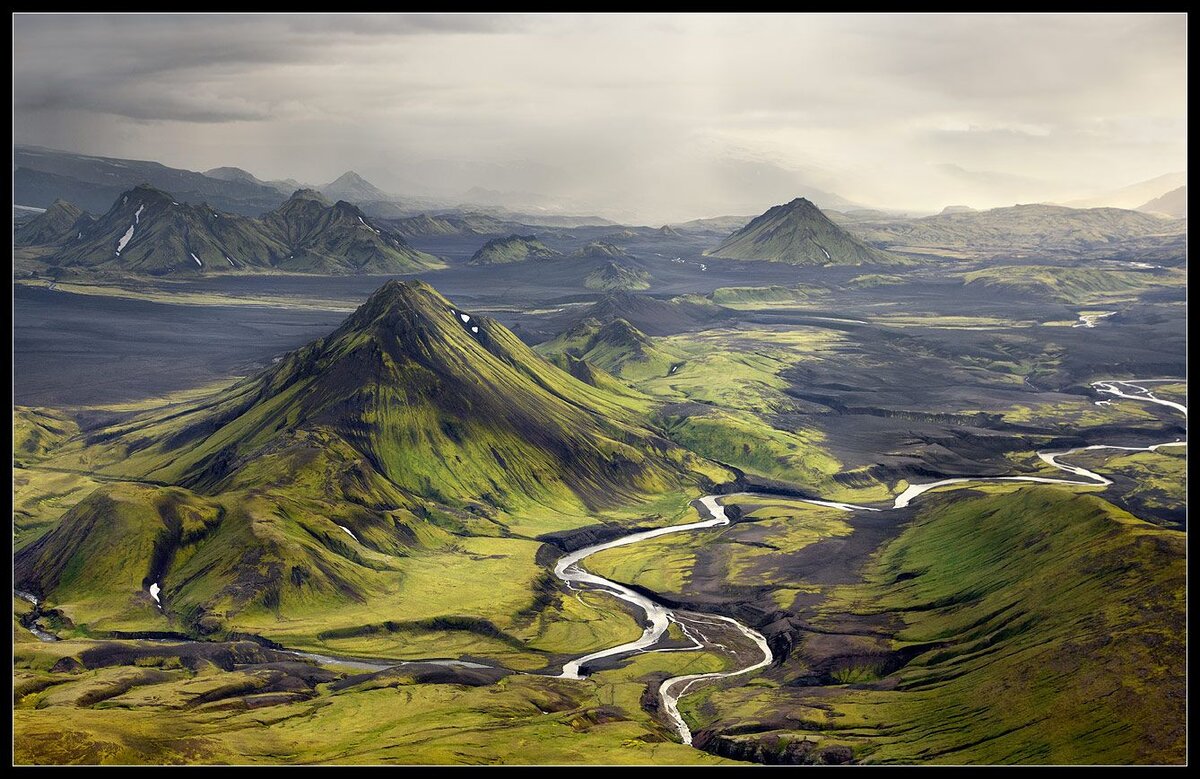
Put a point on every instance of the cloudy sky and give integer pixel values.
(649, 118)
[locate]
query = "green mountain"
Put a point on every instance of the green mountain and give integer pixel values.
(657, 316)
(617, 276)
(146, 231)
(514, 248)
(299, 488)
(423, 225)
(457, 223)
(600, 250)
(339, 238)
(61, 223)
(227, 173)
(616, 347)
(798, 233)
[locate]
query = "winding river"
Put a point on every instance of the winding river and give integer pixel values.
(658, 617)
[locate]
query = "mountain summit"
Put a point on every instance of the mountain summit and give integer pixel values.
(354, 188)
(799, 233)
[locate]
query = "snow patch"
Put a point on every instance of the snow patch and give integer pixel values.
(231, 262)
(464, 318)
(137, 215)
(197, 259)
(474, 329)
(121, 244)
(154, 591)
(1090, 320)
(350, 532)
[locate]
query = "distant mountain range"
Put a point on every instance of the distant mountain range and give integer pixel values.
(1173, 203)
(467, 223)
(284, 187)
(1134, 195)
(1027, 229)
(794, 233)
(41, 176)
(147, 231)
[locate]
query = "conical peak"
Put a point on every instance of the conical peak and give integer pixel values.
(801, 205)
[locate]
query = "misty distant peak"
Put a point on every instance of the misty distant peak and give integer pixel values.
(353, 188)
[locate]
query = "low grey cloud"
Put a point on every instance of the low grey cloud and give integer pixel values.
(648, 117)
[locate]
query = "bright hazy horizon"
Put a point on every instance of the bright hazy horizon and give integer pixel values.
(640, 118)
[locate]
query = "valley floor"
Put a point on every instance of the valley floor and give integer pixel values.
(989, 622)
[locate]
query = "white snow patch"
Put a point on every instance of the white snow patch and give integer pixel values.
(1090, 320)
(197, 259)
(343, 527)
(125, 200)
(78, 236)
(154, 591)
(474, 329)
(231, 262)
(121, 244)
(137, 215)
(464, 318)
(822, 248)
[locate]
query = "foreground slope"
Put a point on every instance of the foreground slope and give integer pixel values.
(1035, 626)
